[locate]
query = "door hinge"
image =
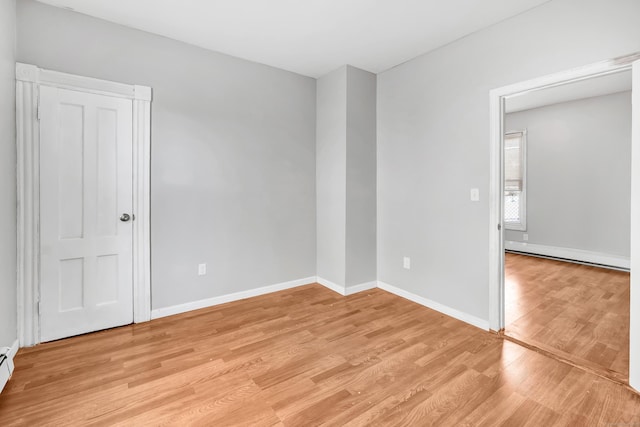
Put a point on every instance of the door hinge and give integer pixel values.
(499, 227)
(38, 307)
(38, 108)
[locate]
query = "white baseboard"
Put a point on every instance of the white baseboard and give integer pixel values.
(451, 312)
(342, 290)
(333, 286)
(350, 290)
(346, 290)
(7, 367)
(209, 302)
(570, 254)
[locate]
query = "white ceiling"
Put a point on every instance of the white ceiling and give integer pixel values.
(310, 37)
(597, 86)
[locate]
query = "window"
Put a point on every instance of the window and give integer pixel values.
(515, 215)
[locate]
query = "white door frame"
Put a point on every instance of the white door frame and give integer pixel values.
(496, 226)
(29, 78)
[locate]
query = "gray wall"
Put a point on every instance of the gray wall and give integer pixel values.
(8, 305)
(578, 174)
(361, 177)
(346, 176)
(233, 152)
(433, 139)
(331, 169)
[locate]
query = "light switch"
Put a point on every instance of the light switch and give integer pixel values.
(475, 195)
(202, 269)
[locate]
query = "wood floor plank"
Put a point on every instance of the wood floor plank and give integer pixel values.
(307, 356)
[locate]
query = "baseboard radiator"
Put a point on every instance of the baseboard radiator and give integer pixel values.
(6, 367)
(579, 256)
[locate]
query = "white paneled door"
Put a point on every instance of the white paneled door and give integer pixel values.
(85, 212)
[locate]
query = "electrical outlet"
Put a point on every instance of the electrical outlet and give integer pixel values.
(406, 263)
(202, 269)
(525, 237)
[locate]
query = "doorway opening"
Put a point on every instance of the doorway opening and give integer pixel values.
(563, 286)
(567, 154)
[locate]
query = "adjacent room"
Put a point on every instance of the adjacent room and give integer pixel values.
(292, 213)
(567, 220)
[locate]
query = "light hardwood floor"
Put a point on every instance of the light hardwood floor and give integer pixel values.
(305, 357)
(577, 311)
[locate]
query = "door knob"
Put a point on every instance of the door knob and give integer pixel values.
(125, 217)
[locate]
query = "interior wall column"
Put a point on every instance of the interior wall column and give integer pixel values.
(346, 179)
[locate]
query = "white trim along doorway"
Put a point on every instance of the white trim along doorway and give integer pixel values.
(29, 80)
(496, 223)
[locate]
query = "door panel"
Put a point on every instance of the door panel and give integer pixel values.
(71, 179)
(86, 184)
(70, 284)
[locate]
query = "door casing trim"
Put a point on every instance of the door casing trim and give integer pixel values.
(29, 78)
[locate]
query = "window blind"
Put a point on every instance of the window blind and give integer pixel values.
(513, 162)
